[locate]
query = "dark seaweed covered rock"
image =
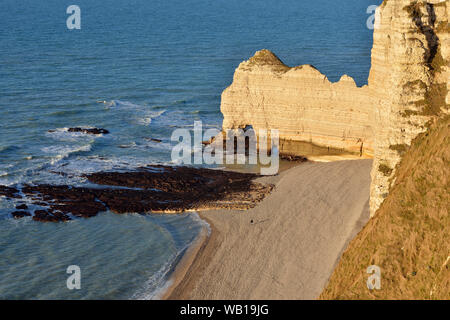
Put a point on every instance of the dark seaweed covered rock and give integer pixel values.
(290, 157)
(9, 192)
(152, 189)
(20, 214)
(45, 216)
(89, 131)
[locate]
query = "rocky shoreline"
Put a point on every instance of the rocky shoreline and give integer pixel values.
(150, 189)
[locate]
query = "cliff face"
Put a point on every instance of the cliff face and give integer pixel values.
(408, 81)
(300, 102)
(407, 238)
(408, 85)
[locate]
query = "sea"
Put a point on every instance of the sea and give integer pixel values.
(140, 69)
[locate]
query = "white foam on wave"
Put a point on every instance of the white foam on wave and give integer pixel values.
(143, 114)
(63, 134)
(59, 153)
(121, 104)
(149, 116)
(158, 284)
(201, 222)
(8, 174)
(75, 168)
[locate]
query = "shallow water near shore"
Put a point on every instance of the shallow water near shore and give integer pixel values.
(120, 257)
(140, 70)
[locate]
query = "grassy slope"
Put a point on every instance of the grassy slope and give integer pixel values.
(409, 238)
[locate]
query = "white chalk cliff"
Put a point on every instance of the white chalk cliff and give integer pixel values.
(408, 87)
(300, 102)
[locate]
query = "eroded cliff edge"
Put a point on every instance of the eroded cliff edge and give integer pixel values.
(408, 81)
(408, 87)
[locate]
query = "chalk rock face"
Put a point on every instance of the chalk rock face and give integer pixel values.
(300, 102)
(408, 81)
(408, 87)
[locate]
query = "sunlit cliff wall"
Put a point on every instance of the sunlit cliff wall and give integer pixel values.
(408, 86)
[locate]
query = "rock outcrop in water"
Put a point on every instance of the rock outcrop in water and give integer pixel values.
(152, 189)
(89, 130)
(94, 131)
(408, 86)
(20, 214)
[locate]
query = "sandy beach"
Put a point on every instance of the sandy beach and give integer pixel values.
(287, 246)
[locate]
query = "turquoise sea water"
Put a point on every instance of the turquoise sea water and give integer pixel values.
(139, 69)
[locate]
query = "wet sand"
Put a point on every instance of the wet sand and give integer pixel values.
(287, 246)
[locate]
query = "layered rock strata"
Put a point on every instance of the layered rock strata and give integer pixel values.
(408, 81)
(408, 87)
(301, 103)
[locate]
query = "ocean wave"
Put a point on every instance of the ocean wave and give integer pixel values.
(119, 103)
(9, 148)
(156, 145)
(156, 107)
(75, 168)
(149, 116)
(129, 145)
(158, 284)
(59, 153)
(63, 134)
(64, 113)
(195, 217)
(178, 102)
(144, 116)
(4, 170)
